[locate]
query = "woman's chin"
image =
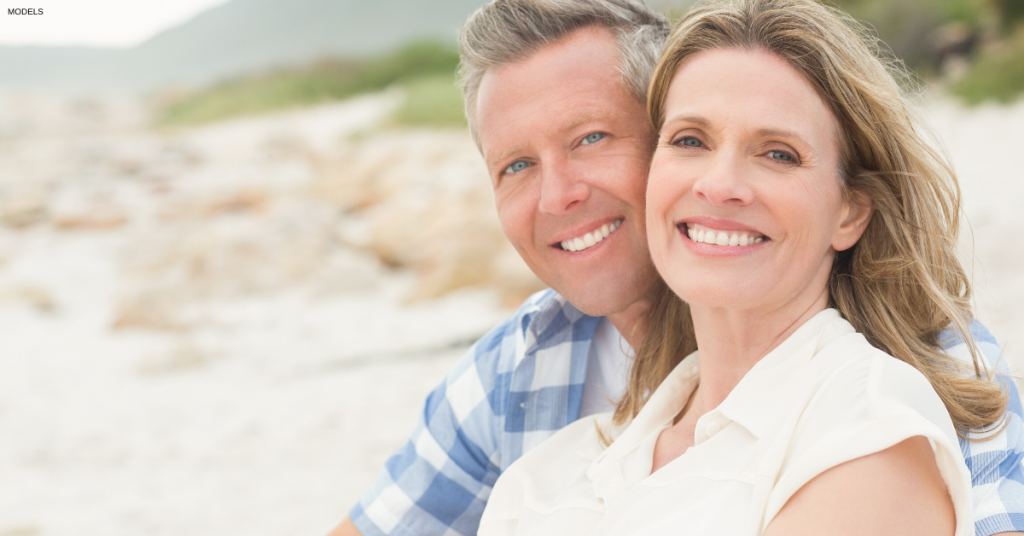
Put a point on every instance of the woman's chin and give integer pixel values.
(714, 281)
(718, 294)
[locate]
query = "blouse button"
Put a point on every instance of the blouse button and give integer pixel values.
(713, 428)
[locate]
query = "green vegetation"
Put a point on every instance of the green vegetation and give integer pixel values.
(327, 80)
(997, 74)
(925, 33)
(910, 27)
(432, 101)
(1011, 12)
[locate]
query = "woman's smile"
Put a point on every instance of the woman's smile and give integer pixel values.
(720, 238)
(717, 237)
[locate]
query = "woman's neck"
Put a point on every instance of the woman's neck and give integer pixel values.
(731, 341)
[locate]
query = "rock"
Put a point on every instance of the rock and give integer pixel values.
(35, 297)
(90, 219)
(75, 209)
(182, 357)
(149, 309)
(23, 208)
(428, 206)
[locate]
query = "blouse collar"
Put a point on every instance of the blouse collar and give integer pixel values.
(751, 403)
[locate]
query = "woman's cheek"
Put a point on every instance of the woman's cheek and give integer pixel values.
(658, 219)
(655, 209)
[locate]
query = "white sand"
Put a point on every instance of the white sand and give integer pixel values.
(269, 407)
(986, 146)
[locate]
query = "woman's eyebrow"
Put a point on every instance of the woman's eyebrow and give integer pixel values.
(786, 134)
(790, 136)
(777, 133)
(695, 119)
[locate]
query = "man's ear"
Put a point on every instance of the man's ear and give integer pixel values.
(857, 211)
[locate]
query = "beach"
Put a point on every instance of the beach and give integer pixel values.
(227, 329)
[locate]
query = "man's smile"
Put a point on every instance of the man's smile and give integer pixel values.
(592, 238)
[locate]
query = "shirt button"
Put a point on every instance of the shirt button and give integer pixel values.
(712, 429)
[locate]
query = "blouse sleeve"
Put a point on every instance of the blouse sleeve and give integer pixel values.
(864, 408)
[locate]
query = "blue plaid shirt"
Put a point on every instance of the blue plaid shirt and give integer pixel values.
(523, 382)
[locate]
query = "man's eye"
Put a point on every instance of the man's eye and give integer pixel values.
(517, 166)
(593, 138)
(690, 141)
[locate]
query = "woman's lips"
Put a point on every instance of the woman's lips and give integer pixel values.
(702, 234)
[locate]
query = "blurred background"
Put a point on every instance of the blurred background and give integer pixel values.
(240, 241)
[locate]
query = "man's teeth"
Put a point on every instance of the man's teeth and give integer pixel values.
(707, 235)
(592, 238)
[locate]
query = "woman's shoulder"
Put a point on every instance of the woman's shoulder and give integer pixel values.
(862, 382)
(864, 401)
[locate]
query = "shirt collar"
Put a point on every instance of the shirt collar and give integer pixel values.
(552, 318)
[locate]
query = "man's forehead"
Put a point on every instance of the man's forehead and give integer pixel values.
(561, 85)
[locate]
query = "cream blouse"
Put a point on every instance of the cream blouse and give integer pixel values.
(823, 397)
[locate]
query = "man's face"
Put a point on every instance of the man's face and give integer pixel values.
(567, 148)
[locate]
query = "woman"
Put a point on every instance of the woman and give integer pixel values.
(793, 204)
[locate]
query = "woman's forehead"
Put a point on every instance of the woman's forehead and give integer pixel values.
(753, 88)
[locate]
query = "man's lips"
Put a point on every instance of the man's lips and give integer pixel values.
(587, 239)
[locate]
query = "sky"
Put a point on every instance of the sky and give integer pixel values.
(104, 23)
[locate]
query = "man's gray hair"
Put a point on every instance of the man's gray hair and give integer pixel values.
(506, 31)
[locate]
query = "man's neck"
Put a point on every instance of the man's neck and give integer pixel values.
(632, 321)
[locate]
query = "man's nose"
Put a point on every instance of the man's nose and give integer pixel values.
(724, 183)
(561, 188)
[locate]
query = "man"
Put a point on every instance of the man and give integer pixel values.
(555, 96)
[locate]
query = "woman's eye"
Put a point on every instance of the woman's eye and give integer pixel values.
(517, 166)
(781, 156)
(593, 138)
(690, 141)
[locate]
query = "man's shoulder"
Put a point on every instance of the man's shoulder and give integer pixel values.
(517, 325)
(546, 326)
(953, 344)
(544, 316)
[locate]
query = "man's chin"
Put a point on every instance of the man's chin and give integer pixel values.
(607, 292)
(599, 301)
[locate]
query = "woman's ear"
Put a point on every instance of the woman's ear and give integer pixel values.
(856, 214)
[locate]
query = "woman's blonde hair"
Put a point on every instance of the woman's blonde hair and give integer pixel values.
(901, 284)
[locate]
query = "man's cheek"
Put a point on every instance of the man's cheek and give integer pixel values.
(516, 225)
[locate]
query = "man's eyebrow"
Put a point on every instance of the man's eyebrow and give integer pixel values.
(504, 155)
(580, 120)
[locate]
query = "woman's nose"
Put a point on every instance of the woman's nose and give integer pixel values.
(561, 188)
(724, 183)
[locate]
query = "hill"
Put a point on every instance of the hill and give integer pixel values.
(239, 37)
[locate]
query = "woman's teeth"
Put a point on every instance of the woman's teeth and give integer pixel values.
(592, 238)
(707, 235)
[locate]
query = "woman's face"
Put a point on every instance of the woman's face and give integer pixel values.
(745, 208)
